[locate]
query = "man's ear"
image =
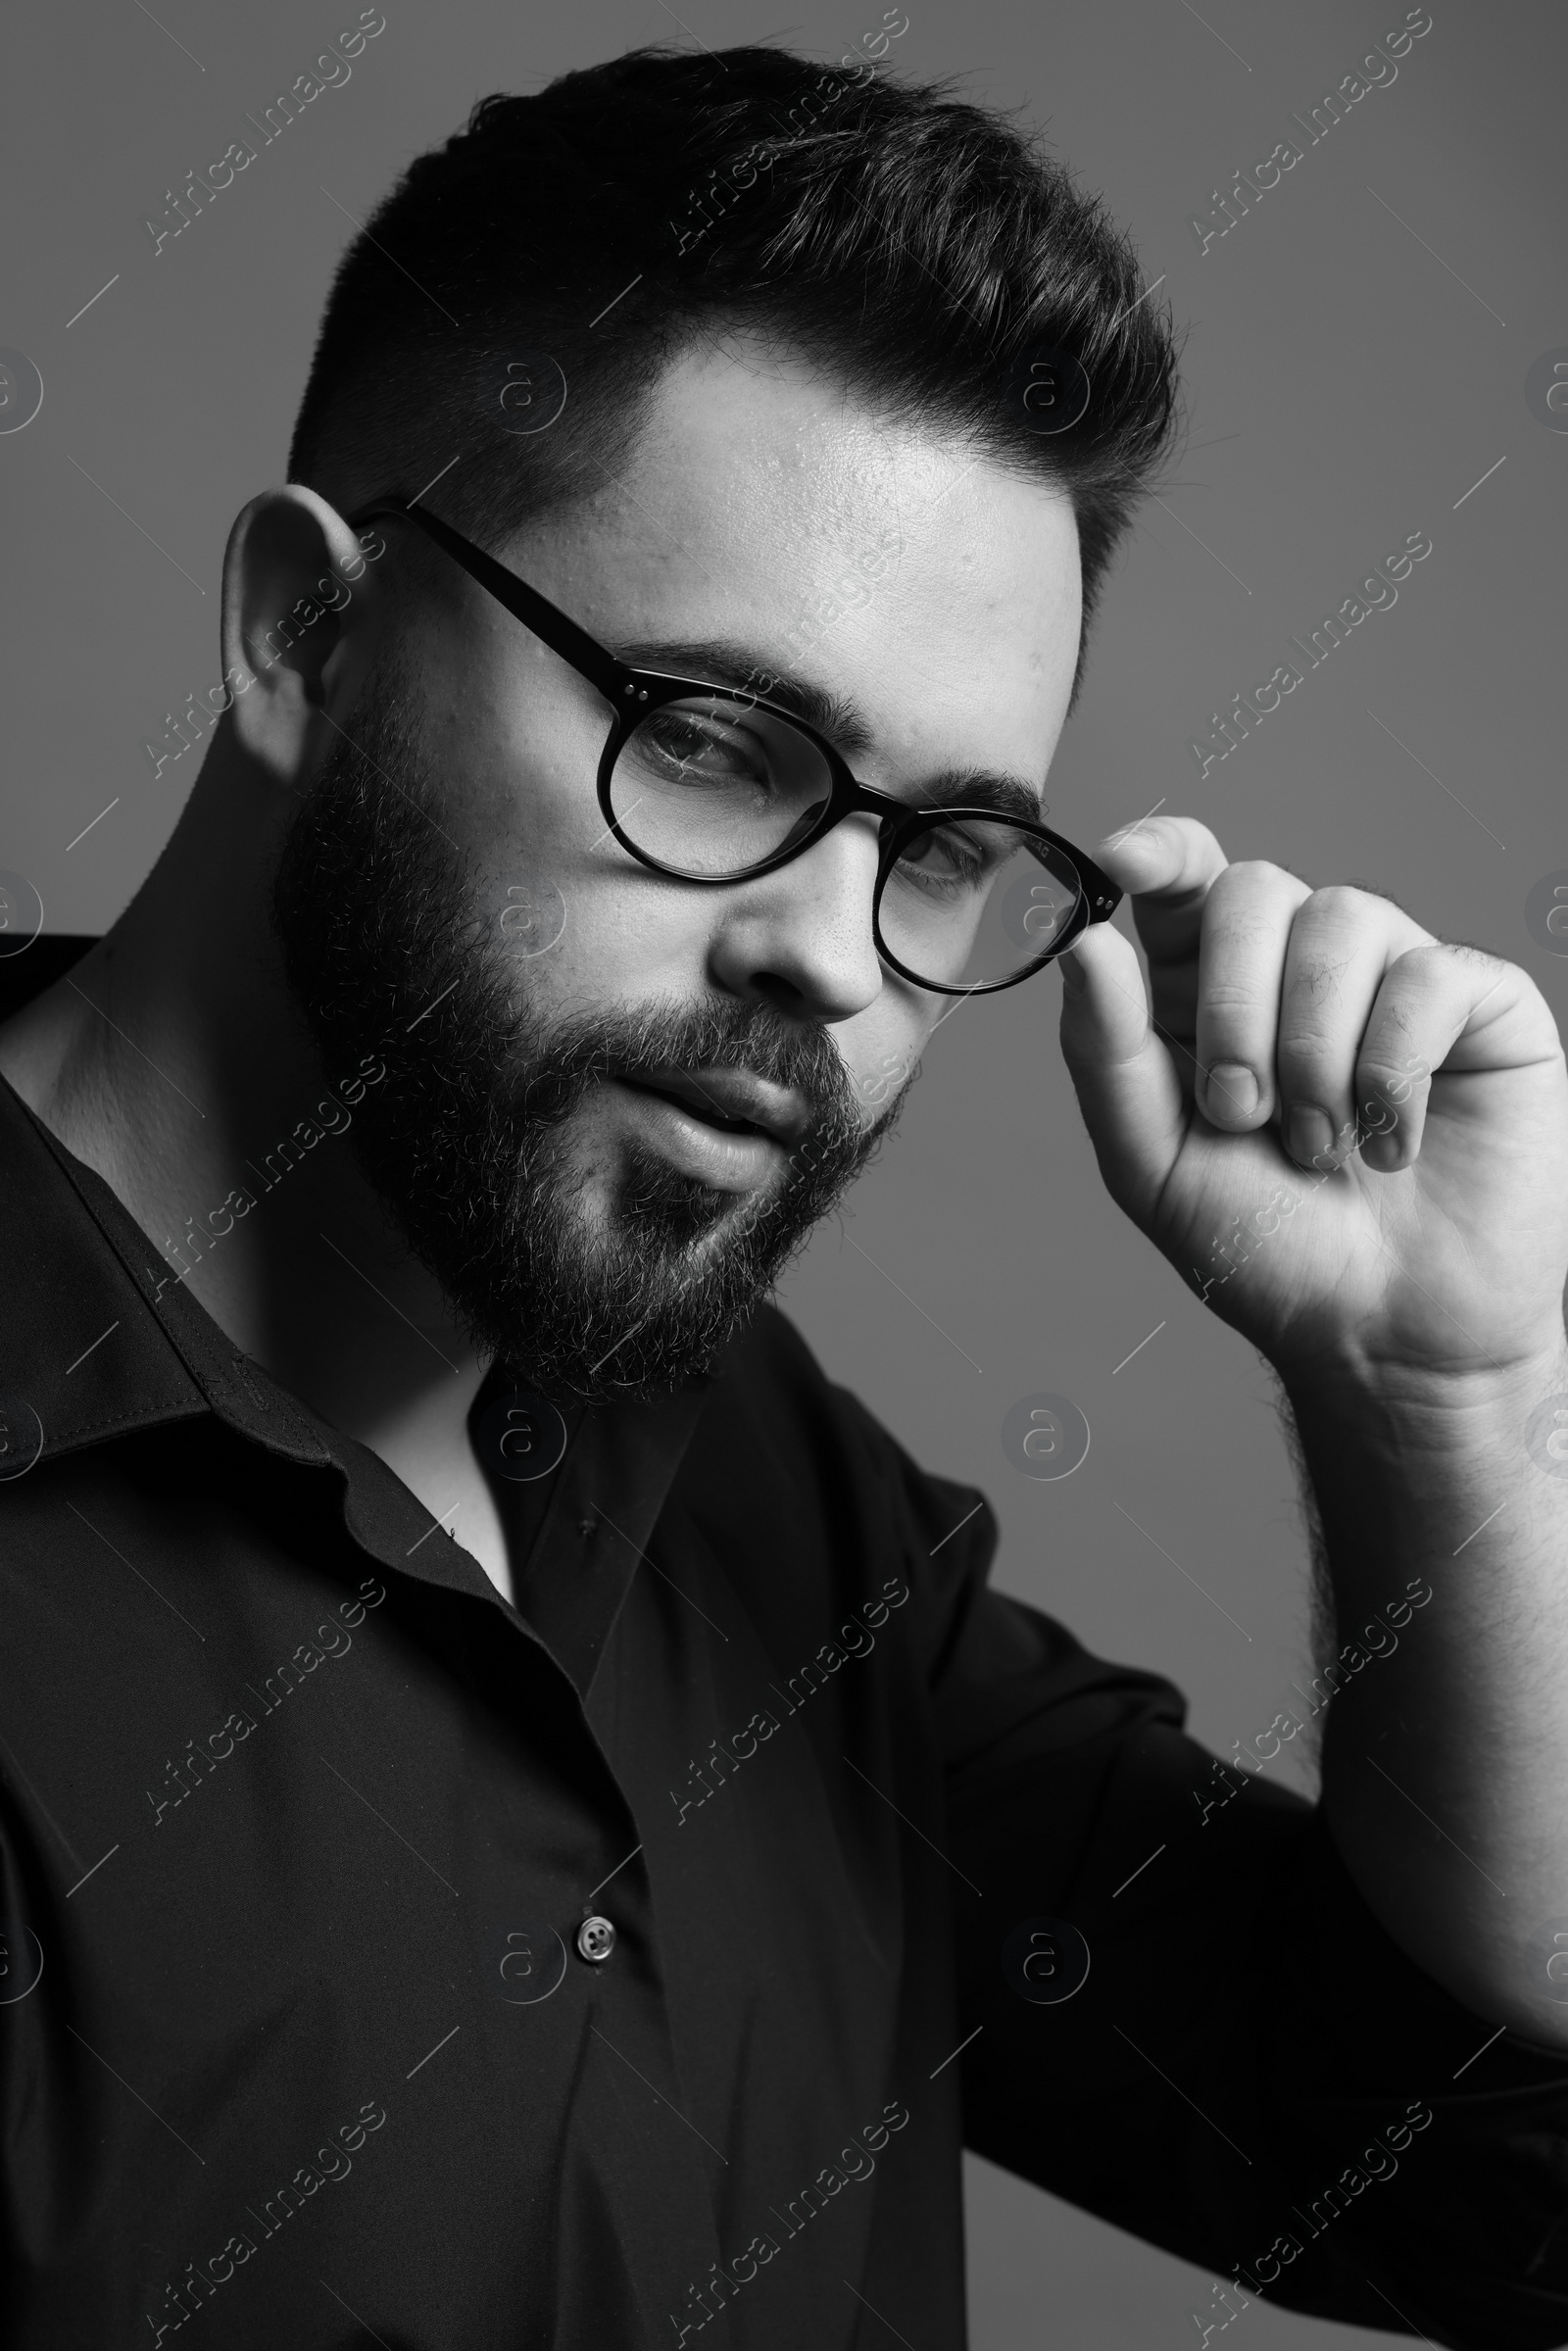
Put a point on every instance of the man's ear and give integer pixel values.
(292, 571)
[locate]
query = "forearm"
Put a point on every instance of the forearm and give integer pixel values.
(1446, 1763)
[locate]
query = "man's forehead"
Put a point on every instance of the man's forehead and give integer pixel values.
(743, 422)
(745, 439)
(760, 487)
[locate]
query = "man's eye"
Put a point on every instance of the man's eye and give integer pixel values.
(686, 747)
(944, 860)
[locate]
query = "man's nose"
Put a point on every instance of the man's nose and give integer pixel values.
(801, 938)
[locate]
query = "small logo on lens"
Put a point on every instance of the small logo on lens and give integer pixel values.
(1036, 909)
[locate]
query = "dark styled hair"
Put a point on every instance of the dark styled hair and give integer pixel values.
(915, 246)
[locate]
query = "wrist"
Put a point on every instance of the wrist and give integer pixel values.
(1352, 1389)
(1408, 1436)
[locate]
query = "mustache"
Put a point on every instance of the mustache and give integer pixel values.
(587, 1050)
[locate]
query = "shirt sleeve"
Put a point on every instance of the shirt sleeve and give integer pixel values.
(1251, 2074)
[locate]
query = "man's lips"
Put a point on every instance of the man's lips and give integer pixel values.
(732, 1100)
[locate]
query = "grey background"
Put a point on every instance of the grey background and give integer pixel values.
(1350, 374)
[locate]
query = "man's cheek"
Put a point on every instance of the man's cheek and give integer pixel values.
(877, 1085)
(879, 1072)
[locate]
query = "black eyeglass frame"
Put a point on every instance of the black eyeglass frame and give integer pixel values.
(633, 694)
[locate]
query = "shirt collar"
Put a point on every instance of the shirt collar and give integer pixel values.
(98, 1340)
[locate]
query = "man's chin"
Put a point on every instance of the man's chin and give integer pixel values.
(621, 1192)
(626, 1295)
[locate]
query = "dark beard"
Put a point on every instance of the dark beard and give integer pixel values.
(386, 952)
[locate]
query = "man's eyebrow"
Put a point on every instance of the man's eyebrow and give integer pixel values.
(725, 664)
(983, 790)
(720, 663)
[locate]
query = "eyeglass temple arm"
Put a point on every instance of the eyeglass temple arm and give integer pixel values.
(547, 621)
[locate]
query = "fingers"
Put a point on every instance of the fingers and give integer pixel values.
(1127, 1087)
(1326, 1011)
(1167, 867)
(1447, 1008)
(1265, 988)
(1242, 966)
(1342, 944)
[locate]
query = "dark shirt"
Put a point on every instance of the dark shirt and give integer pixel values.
(301, 1823)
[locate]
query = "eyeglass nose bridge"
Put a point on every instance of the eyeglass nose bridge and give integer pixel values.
(849, 797)
(893, 814)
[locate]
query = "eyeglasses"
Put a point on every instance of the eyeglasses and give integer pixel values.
(710, 784)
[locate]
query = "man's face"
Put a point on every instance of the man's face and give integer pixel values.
(616, 1101)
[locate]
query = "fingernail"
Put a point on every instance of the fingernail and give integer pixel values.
(1124, 833)
(1232, 1091)
(1311, 1133)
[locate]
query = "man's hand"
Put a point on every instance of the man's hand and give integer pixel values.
(1351, 1139)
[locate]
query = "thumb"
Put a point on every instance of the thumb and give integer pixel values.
(1125, 1079)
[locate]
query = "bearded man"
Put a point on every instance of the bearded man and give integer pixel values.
(523, 1823)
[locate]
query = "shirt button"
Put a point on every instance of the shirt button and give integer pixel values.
(596, 1939)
